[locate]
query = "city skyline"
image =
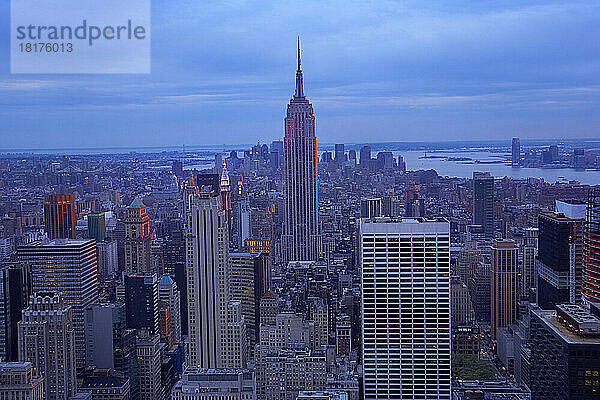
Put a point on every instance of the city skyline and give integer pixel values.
(413, 226)
(392, 71)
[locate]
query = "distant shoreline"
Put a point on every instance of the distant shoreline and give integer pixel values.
(375, 146)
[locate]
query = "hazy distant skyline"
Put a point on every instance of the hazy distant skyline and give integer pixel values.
(374, 71)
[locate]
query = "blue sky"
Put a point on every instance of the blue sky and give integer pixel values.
(222, 73)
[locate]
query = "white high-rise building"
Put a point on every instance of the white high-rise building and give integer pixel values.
(216, 324)
(406, 307)
(207, 258)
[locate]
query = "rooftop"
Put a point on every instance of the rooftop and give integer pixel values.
(136, 203)
(550, 320)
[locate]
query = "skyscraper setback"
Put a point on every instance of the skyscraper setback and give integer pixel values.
(301, 232)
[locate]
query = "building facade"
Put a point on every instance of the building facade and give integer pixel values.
(565, 354)
(137, 239)
(591, 270)
(170, 313)
(406, 308)
(17, 381)
(559, 262)
(15, 289)
(68, 267)
(141, 302)
(483, 202)
(211, 384)
(59, 216)
(504, 293)
(207, 264)
(47, 341)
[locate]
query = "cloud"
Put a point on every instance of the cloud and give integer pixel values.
(227, 68)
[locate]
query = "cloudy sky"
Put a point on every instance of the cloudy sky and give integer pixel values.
(222, 73)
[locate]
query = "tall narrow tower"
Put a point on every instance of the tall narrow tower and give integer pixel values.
(137, 239)
(301, 238)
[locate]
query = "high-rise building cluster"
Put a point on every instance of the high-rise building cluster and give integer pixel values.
(294, 271)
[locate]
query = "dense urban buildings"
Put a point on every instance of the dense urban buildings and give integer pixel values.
(300, 327)
(286, 270)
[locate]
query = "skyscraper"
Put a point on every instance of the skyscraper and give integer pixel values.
(340, 155)
(141, 302)
(169, 303)
(148, 358)
(370, 208)
(15, 289)
(137, 239)
(301, 233)
(365, 156)
(46, 339)
(516, 152)
(59, 216)
(68, 267)
(244, 227)
(560, 255)
(225, 189)
(249, 279)
(565, 345)
(504, 293)
(96, 226)
(591, 255)
(207, 258)
(483, 202)
(406, 308)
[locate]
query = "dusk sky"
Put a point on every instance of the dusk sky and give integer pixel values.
(223, 73)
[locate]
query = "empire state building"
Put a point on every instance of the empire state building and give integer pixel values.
(301, 239)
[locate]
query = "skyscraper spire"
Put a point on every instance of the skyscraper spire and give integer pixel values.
(299, 83)
(298, 52)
